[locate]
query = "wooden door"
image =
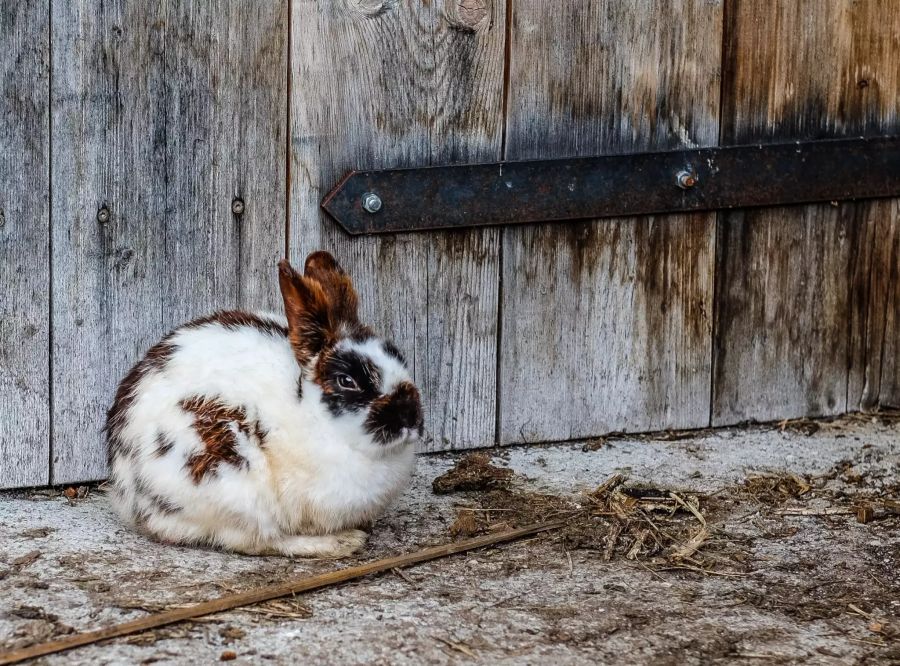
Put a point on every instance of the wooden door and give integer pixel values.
(159, 158)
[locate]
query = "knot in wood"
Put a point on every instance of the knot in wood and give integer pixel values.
(468, 14)
(369, 9)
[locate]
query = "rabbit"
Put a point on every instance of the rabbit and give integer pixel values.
(267, 435)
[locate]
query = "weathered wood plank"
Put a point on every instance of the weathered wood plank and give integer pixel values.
(802, 292)
(606, 325)
(162, 114)
(378, 83)
(24, 245)
(889, 369)
(874, 341)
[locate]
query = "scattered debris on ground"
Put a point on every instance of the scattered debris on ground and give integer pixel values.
(638, 521)
(615, 520)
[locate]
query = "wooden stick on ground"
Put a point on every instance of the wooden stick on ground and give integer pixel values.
(806, 511)
(261, 594)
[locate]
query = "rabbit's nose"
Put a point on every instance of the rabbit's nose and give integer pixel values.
(409, 408)
(393, 414)
(413, 415)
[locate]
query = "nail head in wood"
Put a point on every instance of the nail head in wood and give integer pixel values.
(237, 206)
(103, 215)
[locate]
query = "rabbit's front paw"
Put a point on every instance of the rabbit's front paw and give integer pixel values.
(336, 545)
(350, 541)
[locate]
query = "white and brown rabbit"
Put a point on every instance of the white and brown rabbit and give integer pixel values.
(263, 434)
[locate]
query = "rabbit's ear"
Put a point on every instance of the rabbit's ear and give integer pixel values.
(344, 303)
(307, 306)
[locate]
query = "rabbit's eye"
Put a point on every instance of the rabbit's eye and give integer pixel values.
(347, 382)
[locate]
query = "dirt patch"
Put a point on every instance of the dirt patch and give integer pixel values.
(473, 472)
(772, 489)
(616, 520)
(39, 625)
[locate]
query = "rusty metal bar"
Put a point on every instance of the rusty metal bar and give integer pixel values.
(448, 197)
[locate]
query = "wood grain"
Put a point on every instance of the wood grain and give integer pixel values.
(874, 342)
(381, 83)
(889, 375)
(803, 292)
(162, 115)
(24, 245)
(606, 325)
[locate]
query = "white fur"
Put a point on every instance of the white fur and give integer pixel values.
(304, 492)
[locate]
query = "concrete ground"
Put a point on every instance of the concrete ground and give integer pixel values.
(783, 572)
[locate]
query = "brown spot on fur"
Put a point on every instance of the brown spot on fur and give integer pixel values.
(233, 319)
(215, 423)
(154, 361)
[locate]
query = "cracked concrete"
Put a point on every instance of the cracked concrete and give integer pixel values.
(809, 588)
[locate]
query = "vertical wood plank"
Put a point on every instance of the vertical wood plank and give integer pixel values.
(802, 291)
(163, 113)
(24, 245)
(606, 325)
(874, 339)
(381, 83)
(889, 367)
